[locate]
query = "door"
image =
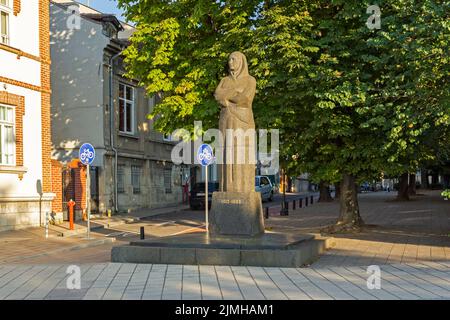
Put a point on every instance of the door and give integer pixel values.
(68, 189)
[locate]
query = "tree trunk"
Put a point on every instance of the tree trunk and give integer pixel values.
(349, 217)
(337, 190)
(325, 195)
(403, 188)
(412, 184)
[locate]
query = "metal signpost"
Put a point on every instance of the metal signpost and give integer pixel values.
(87, 156)
(205, 157)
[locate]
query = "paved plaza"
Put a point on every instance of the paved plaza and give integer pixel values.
(409, 241)
(176, 282)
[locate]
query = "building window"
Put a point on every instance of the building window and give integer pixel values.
(4, 22)
(168, 180)
(136, 179)
(126, 109)
(7, 139)
(121, 179)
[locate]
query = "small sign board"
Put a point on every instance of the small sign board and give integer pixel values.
(87, 154)
(205, 155)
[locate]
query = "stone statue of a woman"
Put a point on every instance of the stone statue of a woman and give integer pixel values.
(237, 209)
(235, 94)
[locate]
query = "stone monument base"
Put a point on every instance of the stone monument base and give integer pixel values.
(236, 213)
(267, 250)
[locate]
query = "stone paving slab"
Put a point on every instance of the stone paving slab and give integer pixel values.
(107, 281)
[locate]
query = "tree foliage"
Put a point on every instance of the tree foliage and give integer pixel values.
(347, 99)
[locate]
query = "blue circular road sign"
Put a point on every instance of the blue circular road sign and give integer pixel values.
(87, 154)
(205, 155)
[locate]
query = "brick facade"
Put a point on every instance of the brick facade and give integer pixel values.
(17, 7)
(57, 186)
(44, 52)
(19, 107)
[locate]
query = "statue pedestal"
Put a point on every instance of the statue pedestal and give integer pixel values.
(236, 213)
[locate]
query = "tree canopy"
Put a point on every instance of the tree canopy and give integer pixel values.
(348, 100)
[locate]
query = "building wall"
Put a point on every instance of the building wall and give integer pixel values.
(77, 82)
(24, 73)
(153, 193)
(81, 113)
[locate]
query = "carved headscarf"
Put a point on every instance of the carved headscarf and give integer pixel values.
(243, 70)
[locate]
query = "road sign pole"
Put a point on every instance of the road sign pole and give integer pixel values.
(87, 156)
(206, 200)
(88, 201)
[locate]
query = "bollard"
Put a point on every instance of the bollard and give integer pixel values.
(284, 209)
(142, 233)
(71, 204)
(306, 201)
(46, 225)
(312, 199)
(266, 212)
(293, 205)
(300, 203)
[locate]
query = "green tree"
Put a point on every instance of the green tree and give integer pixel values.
(350, 102)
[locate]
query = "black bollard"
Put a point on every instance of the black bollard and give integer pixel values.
(266, 212)
(312, 199)
(293, 205)
(300, 203)
(306, 201)
(284, 209)
(142, 233)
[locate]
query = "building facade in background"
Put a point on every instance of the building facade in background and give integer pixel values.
(25, 145)
(94, 102)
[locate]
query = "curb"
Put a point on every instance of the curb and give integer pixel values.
(107, 225)
(126, 220)
(93, 243)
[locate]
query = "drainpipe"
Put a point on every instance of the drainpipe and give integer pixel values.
(112, 126)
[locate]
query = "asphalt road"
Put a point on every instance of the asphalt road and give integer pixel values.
(169, 224)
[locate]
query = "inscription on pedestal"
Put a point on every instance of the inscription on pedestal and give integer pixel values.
(230, 201)
(236, 213)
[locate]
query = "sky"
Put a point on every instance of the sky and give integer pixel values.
(105, 6)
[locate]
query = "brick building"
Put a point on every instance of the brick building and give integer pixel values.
(26, 191)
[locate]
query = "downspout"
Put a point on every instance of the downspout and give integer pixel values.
(112, 126)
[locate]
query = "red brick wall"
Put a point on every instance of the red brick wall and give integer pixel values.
(57, 186)
(17, 7)
(44, 52)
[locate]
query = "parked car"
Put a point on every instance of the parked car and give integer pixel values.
(197, 196)
(263, 185)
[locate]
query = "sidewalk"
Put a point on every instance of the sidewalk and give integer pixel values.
(18, 245)
(397, 232)
(115, 281)
(103, 222)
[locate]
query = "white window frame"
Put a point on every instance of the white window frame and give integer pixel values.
(8, 11)
(126, 101)
(3, 124)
